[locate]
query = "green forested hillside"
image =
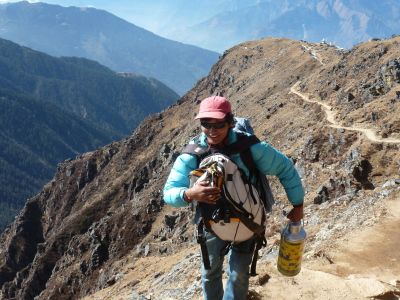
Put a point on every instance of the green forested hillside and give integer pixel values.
(54, 108)
(115, 102)
(34, 137)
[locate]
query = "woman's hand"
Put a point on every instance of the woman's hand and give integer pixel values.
(296, 214)
(201, 192)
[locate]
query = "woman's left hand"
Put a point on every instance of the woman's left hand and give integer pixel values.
(296, 214)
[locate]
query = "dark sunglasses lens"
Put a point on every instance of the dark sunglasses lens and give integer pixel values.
(219, 125)
(213, 125)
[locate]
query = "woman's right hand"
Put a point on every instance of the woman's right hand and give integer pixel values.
(202, 192)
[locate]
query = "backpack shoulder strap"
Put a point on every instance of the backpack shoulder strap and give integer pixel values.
(243, 143)
(242, 146)
(197, 150)
(248, 160)
(262, 182)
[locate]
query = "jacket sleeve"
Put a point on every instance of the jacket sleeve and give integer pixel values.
(272, 162)
(178, 180)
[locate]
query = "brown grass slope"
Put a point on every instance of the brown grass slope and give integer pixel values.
(101, 226)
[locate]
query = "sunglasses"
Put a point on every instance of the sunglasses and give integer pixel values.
(218, 125)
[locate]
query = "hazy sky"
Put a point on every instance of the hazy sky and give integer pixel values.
(162, 17)
(134, 11)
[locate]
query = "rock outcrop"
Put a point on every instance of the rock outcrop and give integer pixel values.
(105, 206)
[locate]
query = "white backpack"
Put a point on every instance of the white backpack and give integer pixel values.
(239, 214)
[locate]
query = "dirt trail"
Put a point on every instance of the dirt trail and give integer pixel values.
(370, 134)
(313, 53)
(373, 251)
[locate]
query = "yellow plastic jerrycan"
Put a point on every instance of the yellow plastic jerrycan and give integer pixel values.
(291, 249)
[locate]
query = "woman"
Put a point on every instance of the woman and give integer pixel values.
(217, 126)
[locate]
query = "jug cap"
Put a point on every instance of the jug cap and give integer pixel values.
(295, 227)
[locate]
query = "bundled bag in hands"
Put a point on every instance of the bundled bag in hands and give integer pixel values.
(239, 213)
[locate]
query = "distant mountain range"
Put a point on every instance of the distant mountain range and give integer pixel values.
(101, 36)
(165, 17)
(227, 23)
(215, 25)
(55, 108)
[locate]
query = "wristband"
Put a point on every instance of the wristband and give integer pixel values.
(186, 197)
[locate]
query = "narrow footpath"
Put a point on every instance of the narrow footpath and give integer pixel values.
(370, 134)
(313, 53)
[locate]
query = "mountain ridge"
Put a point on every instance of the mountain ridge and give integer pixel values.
(110, 40)
(343, 23)
(102, 221)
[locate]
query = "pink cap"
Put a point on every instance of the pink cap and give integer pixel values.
(214, 107)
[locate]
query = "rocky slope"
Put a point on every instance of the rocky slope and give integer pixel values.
(101, 226)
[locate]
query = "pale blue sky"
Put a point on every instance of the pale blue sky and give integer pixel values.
(162, 17)
(136, 12)
(171, 19)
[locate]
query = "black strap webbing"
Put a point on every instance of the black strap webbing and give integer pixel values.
(244, 142)
(247, 219)
(201, 239)
(260, 242)
(245, 153)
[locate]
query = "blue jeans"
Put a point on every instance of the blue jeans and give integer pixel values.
(240, 257)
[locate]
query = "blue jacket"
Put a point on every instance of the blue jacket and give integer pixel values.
(267, 159)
